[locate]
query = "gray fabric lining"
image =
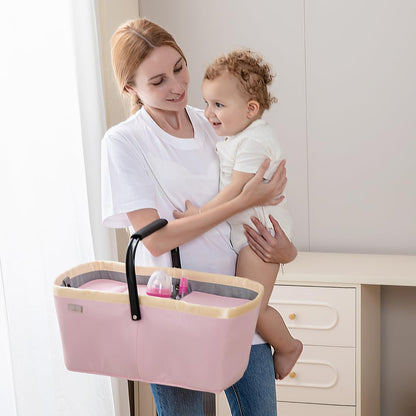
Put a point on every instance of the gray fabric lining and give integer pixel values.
(206, 287)
(222, 290)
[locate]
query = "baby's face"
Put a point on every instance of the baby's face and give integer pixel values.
(226, 107)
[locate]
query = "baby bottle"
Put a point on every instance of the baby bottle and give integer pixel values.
(183, 288)
(159, 284)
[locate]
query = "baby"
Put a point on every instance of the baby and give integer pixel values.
(235, 90)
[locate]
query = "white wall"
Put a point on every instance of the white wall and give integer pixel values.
(346, 117)
(361, 95)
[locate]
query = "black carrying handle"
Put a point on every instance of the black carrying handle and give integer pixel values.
(130, 266)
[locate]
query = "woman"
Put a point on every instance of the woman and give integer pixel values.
(163, 155)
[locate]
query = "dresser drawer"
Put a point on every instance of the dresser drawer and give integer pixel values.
(321, 375)
(301, 409)
(318, 315)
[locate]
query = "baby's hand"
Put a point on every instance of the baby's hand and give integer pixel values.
(190, 210)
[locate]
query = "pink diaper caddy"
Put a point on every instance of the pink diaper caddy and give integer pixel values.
(110, 326)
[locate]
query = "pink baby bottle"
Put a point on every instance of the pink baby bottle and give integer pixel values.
(159, 284)
(183, 288)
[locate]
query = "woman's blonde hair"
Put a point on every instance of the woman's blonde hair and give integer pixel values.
(253, 74)
(130, 45)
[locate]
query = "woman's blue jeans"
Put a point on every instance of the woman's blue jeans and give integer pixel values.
(253, 395)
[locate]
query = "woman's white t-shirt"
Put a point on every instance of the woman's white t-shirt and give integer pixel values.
(145, 167)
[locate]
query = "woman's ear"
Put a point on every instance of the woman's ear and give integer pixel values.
(129, 89)
(253, 108)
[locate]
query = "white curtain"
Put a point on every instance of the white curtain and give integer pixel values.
(47, 223)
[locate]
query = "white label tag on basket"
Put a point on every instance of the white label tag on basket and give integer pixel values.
(74, 308)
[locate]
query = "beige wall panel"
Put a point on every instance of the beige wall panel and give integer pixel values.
(111, 15)
(361, 110)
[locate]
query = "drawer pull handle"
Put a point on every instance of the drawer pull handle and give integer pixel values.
(292, 316)
(332, 318)
(330, 381)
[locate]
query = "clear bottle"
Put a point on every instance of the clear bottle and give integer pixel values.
(159, 284)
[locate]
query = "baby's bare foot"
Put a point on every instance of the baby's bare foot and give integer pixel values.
(284, 362)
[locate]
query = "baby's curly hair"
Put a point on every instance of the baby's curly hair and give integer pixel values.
(253, 73)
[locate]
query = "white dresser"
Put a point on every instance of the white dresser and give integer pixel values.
(338, 371)
(332, 303)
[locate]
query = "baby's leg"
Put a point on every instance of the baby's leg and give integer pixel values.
(270, 324)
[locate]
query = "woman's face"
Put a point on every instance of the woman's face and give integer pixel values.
(162, 79)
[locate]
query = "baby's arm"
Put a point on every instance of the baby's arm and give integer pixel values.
(238, 180)
(180, 231)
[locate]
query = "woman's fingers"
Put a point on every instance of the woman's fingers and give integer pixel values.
(271, 249)
(278, 183)
(178, 214)
(254, 245)
(261, 171)
(181, 214)
(281, 170)
(282, 249)
(277, 229)
(188, 204)
(190, 209)
(279, 178)
(277, 200)
(260, 241)
(262, 233)
(256, 192)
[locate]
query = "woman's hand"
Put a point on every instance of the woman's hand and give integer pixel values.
(189, 210)
(256, 192)
(277, 249)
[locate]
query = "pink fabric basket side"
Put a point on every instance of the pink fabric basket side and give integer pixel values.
(211, 357)
(102, 339)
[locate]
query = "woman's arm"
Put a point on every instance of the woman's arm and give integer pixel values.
(277, 249)
(179, 231)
